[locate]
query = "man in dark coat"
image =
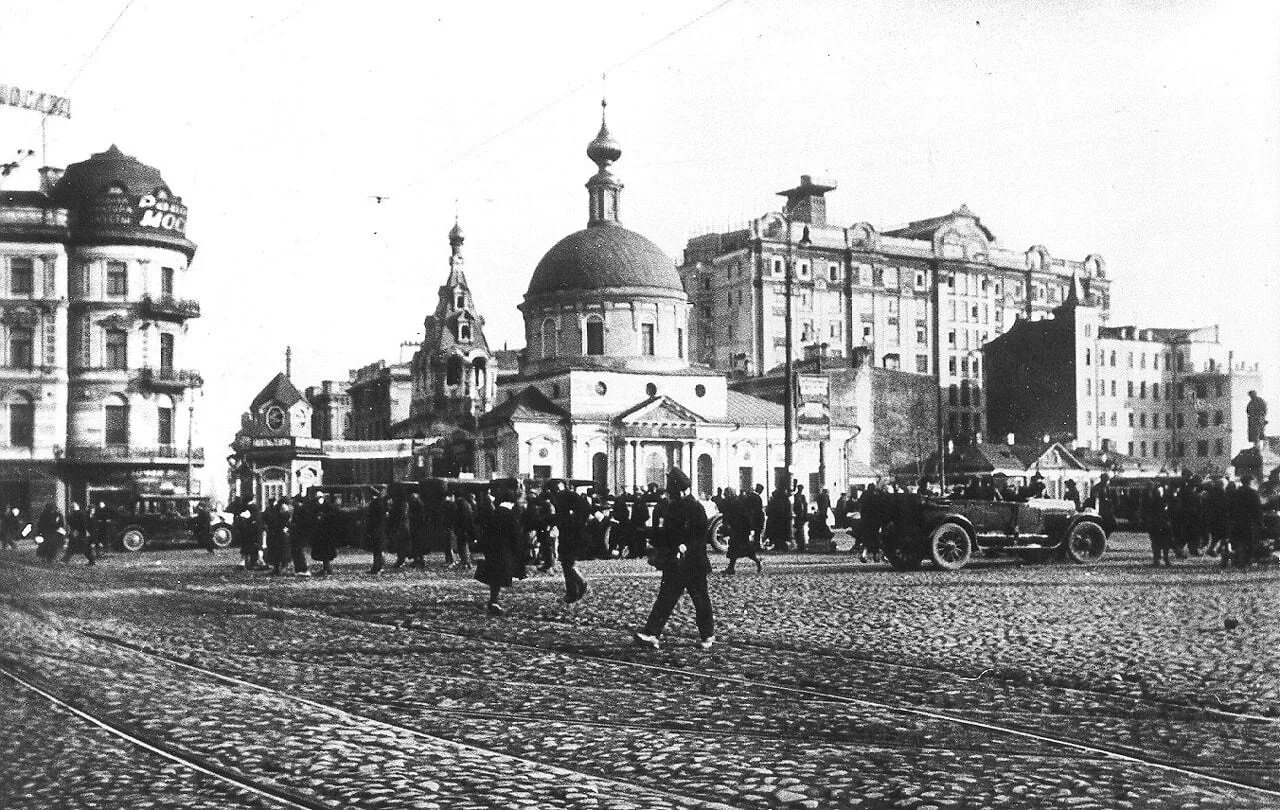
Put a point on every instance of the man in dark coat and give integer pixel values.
(79, 539)
(737, 522)
(418, 539)
(278, 517)
(1246, 522)
(1155, 515)
(10, 528)
(1070, 493)
(324, 542)
(201, 527)
(375, 530)
(683, 539)
(571, 515)
(638, 519)
(824, 506)
(102, 528)
(51, 530)
(1190, 513)
(799, 515)
(871, 512)
(464, 526)
(302, 532)
(502, 543)
(753, 502)
(1104, 500)
(1217, 517)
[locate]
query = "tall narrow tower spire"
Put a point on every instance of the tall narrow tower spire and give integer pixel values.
(604, 189)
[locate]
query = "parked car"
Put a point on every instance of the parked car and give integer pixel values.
(154, 520)
(947, 532)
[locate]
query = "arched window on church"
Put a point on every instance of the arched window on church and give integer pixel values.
(464, 330)
(549, 337)
(453, 370)
(460, 301)
(595, 335)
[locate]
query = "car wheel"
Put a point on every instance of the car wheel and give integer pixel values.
(222, 536)
(1086, 543)
(133, 539)
(950, 546)
(717, 534)
(895, 550)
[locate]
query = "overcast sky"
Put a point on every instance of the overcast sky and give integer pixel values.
(1143, 131)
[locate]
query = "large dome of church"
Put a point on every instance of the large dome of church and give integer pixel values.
(603, 256)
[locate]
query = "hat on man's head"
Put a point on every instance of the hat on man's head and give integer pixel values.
(677, 480)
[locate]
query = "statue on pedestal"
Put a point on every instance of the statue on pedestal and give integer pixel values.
(1256, 415)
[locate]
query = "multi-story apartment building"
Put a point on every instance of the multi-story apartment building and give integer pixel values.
(1168, 398)
(95, 322)
(924, 297)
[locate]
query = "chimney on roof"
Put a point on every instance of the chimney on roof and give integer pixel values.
(805, 202)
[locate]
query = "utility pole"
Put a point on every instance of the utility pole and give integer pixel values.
(787, 439)
(191, 415)
(937, 372)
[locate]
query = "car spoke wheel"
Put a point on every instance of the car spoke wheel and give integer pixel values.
(221, 536)
(1086, 543)
(133, 540)
(718, 534)
(950, 546)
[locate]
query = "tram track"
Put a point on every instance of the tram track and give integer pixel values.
(1116, 755)
(1124, 756)
(276, 794)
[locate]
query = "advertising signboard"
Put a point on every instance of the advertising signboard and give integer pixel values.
(813, 407)
(46, 103)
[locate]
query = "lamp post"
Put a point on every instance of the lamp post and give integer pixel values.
(788, 438)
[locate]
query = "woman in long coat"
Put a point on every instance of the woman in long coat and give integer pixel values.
(325, 534)
(777, 524)
(504, 559)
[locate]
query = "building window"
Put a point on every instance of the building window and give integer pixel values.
(777, 267)
(117, 421)
(453, 370)
(866, 333)
(953, 395)
(22, 420)
(920, 280)
(1088, 386)
(804, 269)
(1113, 419)
(921, 336)
(21, 347)
(595, 335)
(1217, 419)
(549, 338)
(1113, 359)
(651, 389)
(166, 351)
(1182, 422)
(1202, 448)
(1217, 447)
(164, 425)
(1182, 450)
(892, 361)
(464, 331)
(646, 339)
(1130, 389)
(1088, 355)
(117, 279)
(680, 340)
(1142, 390)
(117, 353)
(1130, 448)
(951, 337)
(951, 364)
(1142, 420)
(166, 282)
(1113, 388)
(1131, 418)
(1088, 418)
(922, 364)
(1217, 389)
(1142, 449)
(21, 276)
(1202, 419)
(1155, 390)
(833, 272)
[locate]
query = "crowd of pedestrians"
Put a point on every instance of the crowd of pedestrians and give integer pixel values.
(1194, 517)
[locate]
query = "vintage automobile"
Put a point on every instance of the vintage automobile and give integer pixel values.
(947, 532)
(153, 520)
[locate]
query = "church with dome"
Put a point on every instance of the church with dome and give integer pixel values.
(605, 388)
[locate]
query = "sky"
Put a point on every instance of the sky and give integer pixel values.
(1146, 131)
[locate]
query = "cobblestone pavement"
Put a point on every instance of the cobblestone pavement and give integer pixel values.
(833, 685)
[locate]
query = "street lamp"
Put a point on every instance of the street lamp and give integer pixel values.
(787, 403)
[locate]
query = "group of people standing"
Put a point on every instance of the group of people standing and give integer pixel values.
(82, 532)
(280, 536)
(1190, 516)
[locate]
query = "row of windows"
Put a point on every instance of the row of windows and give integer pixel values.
(1178, 450)
(593, 339)
(117, 279)
(964, 395)
(21, 408)
(1138, 389)
(1108, 358)
(1203, 419)
(962, 423)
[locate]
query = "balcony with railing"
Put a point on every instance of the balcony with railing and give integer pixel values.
(166, 379)
(166, 307)
(164, 454)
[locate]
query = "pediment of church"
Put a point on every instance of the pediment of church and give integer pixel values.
(659, 410)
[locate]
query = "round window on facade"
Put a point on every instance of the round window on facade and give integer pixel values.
(700, 390)
(601, 388)
(651, 389)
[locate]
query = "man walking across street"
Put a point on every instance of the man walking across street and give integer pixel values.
(79, 541)
(571, 521)
(681, 541)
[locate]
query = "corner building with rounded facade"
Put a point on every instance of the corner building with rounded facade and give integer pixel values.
(109, 308)
(605, 388)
